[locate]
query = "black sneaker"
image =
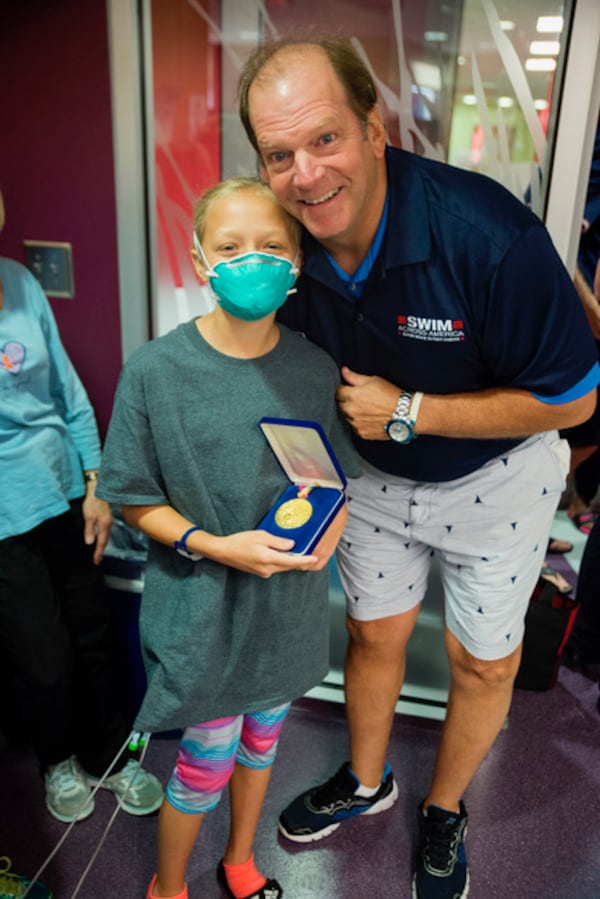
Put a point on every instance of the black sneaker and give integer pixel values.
(442, 871)
(318, 812)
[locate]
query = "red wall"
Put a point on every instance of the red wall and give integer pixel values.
(56, 169)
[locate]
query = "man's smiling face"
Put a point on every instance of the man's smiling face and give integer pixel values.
(324, 165)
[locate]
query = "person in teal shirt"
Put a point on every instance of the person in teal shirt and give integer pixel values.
(55, 647)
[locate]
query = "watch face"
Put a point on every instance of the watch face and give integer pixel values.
(399, 431)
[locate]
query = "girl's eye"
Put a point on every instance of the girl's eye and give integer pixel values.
(327, 138)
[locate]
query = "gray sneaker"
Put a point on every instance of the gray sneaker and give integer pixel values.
(68, 794)
(140, 792)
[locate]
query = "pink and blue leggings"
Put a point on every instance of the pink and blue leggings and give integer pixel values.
(209, 752)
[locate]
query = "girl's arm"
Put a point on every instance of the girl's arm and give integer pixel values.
(255, 552)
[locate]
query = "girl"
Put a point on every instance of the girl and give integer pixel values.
(233, 625)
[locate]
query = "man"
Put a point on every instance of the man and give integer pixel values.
(455, 323)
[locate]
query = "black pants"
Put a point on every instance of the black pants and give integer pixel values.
(585, 637)
(56, 660)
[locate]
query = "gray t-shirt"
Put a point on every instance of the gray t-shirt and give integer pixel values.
(185, 433)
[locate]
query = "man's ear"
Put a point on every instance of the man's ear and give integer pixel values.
(199, 266)
(377, 132)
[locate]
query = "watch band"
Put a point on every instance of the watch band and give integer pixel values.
(415, 405)
(90, 475)
(403, 405)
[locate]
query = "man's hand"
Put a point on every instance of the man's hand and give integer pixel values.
(367, 402)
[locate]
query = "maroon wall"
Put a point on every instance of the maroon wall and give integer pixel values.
(56, 169)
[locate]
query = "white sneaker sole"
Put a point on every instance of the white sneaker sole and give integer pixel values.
(84, 813)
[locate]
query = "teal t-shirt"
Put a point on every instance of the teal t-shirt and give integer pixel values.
(185, 433)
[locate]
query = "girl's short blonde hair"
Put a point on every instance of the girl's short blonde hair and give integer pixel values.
(232, 185)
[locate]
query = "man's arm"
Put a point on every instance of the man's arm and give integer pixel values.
(368, 402)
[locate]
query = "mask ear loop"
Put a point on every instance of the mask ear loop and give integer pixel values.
(294, 271)
(198, 248)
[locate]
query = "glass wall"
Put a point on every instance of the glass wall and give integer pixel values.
(510, 89)
(474, 83)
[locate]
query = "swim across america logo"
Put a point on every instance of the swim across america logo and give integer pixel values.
(440, 330)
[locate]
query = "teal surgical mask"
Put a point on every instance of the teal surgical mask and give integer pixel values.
(252, 285)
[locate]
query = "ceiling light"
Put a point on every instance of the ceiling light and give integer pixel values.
(506, 102)
(435, 37)
(540, 104)
(549, 24)
(427, 74)
(507, 25)
(540, 64)
(544, 48)
(470, 100)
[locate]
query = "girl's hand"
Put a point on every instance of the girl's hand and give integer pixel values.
(259, 553)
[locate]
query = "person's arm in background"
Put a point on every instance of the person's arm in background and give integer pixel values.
(76, 410)
(97, 517)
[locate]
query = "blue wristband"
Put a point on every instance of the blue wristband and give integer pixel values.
(181, 546)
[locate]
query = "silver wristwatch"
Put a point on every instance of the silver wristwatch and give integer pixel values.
(401, 427)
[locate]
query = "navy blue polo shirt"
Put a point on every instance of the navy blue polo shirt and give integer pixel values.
(466, 293)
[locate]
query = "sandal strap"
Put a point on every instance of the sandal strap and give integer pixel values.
(271, 890)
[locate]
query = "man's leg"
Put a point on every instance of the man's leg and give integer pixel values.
(373, 677)
(478, 703)
(384, 572)
(374, 673)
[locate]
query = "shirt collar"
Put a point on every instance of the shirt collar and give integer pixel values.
(364, 269)
(408, 238)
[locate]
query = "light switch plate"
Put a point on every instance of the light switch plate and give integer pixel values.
(52, 264)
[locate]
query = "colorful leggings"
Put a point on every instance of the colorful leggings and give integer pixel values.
(209, 752)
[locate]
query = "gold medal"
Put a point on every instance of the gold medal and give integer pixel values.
(294, 513)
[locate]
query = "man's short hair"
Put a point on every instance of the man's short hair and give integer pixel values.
(352, 72)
